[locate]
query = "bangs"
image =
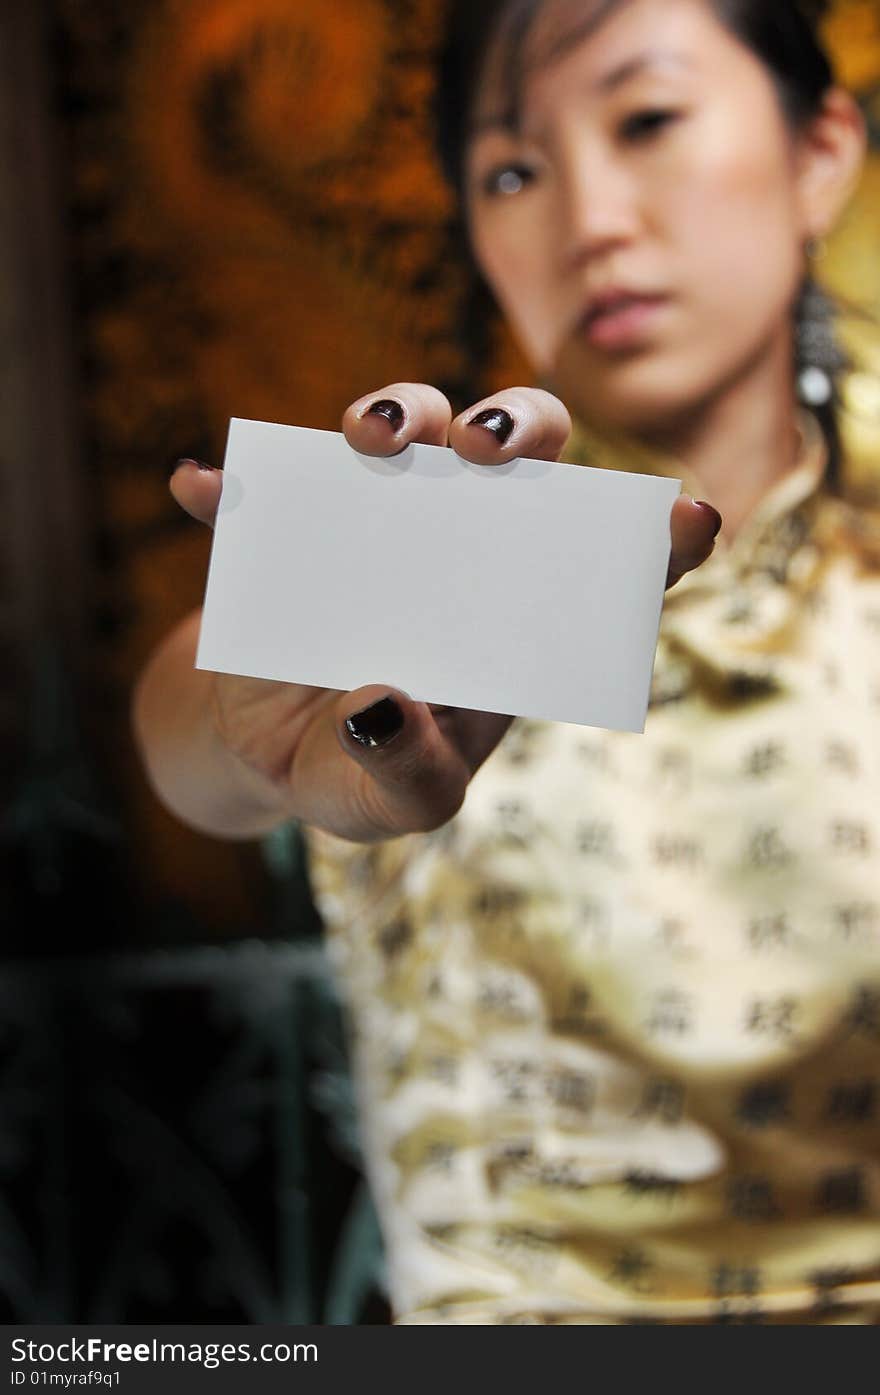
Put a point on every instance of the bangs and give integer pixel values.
(531, 35)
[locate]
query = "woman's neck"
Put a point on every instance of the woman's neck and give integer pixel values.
(739, 445)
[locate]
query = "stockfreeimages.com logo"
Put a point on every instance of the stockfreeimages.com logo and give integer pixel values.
(94, 1350)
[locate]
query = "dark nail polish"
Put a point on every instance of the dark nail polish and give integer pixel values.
(376, 725)
(391, 411)
(190, 460)
(496, 420)
(717, 520)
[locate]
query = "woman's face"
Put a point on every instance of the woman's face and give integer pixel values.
(643, 228)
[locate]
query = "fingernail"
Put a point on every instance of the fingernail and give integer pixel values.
(496, 420)
(376, 725)
(189, 460)
(391, 411)
(713, 513)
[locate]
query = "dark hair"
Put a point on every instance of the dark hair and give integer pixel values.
(784, 35)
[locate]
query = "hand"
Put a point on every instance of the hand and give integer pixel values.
(372, 764)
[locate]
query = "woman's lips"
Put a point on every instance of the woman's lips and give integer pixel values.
(622, 323)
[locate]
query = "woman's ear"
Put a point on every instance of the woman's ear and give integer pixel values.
(832, 152)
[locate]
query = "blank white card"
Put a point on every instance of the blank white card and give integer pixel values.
(533, 589)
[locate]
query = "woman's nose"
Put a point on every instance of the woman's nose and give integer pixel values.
(598, 211)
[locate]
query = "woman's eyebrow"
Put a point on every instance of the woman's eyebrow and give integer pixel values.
(631, 67)
(498, 121)
(618, 76)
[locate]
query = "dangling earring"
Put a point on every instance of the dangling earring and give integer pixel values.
(815, 388)
(818, 356)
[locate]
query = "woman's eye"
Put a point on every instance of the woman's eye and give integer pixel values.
(644, 124)
(507, 180)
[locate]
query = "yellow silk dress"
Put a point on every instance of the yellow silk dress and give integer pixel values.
(616, 1026)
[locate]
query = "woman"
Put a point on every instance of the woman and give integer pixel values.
(616, 1012)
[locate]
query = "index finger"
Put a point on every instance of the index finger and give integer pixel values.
(695, 525)
(197, 488)
(387, 421)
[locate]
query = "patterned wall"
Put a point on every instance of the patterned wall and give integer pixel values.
(260, 231)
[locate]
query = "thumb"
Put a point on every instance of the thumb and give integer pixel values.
(415, 777)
